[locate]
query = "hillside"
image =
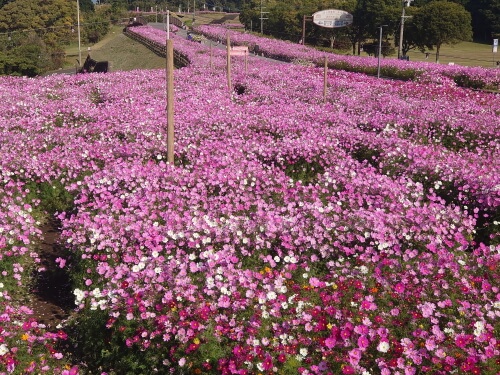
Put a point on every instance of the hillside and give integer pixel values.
(126, 54)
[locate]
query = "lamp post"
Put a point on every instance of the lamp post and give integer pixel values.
(379, 49)
(78, 27)
(406, 3)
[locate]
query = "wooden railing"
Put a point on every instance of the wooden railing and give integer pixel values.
(180, 60)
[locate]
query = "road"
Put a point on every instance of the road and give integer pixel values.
(183, 33)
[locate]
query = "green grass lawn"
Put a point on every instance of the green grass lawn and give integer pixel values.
(465, 53)
(122, 53)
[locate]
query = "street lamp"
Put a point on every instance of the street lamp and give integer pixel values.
(406, 3)
(379, 49)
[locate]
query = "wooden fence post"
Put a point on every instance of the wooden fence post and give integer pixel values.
(325, 79)
(228, 45)
(170, 100)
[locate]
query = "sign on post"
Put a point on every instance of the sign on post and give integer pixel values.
(239, 51)
(495, 45)
(332, 18)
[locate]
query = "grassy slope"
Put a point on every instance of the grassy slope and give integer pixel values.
(125, 54)
(122, 53)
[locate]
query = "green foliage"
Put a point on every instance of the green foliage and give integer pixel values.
(24, 55)
(45, 27)
(441, 22)
(86, 6)
(96, 26)
(304, 170)
(372, 48)
(51, 19)
(90, 338)
(53, 196)
(464, 80)
(365, 154)
(291, 366)
(211, 347)
(485, 18)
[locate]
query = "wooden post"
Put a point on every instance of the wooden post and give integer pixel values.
(325, 79)
(211, 55)
(170, 100)
(228, 48)
(168, 24)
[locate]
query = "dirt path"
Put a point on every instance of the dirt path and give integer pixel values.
(52, 297)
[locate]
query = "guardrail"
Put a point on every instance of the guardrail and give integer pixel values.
(180, 60)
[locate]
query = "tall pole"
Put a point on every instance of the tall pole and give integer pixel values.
(228, 62)
(379, 50)
(170, 100)
(78, 27)
(261, 19)
(304, 30)
(168, 24)
(325, 80)
(402, 26)
(401, 29)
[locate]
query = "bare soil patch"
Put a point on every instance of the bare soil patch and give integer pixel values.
(52, 299)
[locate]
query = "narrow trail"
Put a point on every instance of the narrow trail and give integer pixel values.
(52, 298)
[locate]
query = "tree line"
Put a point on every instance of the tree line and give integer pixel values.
(33, 34)
(427, 23)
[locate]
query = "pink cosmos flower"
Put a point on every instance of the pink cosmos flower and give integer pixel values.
(462, 341)
(330, 342)
(354, 356)
(347, 370)
(368, 305)
(363, 342)
(399, 287)
(345, 333)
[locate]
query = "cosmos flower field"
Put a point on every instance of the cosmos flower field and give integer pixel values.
(292, 236)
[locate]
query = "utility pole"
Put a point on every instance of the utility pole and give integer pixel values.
(304, 19)
(379, 49)
(262, 18)
(406, 3)
(78, 26)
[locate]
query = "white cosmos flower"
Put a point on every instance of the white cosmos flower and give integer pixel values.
(271, 295)
(383, 347)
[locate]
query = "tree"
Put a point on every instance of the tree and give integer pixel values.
(336, 34)
(51, 19)
(485, 18)
(285, 18)
(441, 22)
(4, 2)
(86, 6)
(369, 15)
(24, 55)
(96, 24)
